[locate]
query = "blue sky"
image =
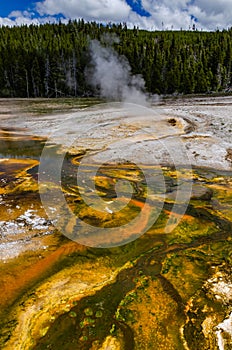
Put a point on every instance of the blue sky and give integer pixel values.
(8, 6)
(24, 5)
(147, 14)
(138, 7)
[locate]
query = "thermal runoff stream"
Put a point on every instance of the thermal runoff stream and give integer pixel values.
(115, 224)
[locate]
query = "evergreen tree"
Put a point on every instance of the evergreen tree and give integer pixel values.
(50, 60)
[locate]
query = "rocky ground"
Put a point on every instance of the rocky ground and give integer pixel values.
(199, 128)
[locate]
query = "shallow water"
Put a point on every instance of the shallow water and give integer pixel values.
(161, 290)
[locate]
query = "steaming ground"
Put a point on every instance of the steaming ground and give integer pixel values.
(110, 74)
(204, 126)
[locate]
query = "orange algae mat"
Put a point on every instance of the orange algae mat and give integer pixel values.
(155, 292)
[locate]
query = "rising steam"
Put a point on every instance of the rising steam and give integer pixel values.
(111, 74)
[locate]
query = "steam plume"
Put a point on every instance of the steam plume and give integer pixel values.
(111, 74)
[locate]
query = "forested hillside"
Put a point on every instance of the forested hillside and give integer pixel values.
(50, 60)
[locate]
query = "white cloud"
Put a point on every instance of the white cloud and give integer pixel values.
(19, 19)
(165, 14)
(213, 14)
(5, 21)
(168, 12)
(210, 15)
(162, 19)
(104, 10)
(215, 6)
(20, 14)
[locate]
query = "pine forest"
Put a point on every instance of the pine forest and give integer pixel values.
(50, 60)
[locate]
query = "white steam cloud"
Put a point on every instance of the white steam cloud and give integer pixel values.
(111, 74)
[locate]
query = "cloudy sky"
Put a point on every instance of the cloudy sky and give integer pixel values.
(147, 14)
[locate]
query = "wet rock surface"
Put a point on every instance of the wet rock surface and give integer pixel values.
(164, 290)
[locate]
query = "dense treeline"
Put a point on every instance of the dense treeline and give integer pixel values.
(50, 60)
